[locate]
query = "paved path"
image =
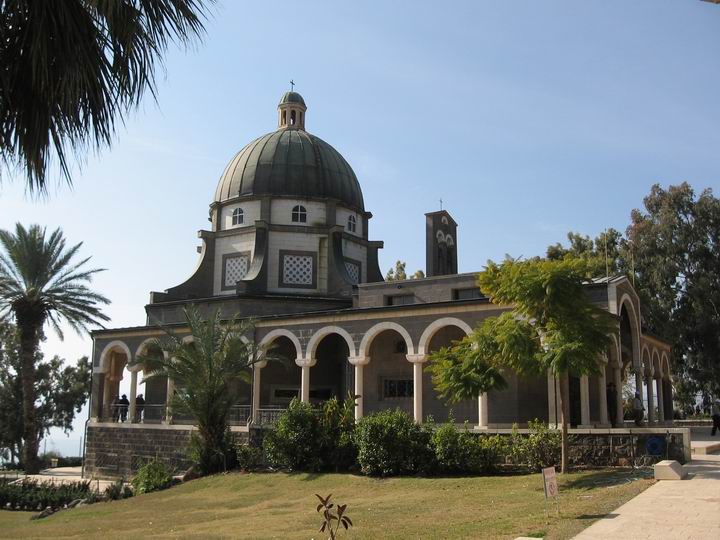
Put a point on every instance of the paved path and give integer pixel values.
(702, 442)
(680, 509)
(61, 475)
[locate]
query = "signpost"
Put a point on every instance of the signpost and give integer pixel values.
(551, 487)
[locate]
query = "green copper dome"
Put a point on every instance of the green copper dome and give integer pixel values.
(290, 162)
(292, 97)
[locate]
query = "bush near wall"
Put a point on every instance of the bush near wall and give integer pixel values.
(33, 495)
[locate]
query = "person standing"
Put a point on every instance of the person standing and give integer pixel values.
(139, 406)
(638, 410)
(124, 404)
(715, 416)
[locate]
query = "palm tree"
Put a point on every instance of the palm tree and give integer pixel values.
(71, 69)
(41, 283)
(206, 371)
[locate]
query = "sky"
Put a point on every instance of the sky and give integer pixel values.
(528, 119)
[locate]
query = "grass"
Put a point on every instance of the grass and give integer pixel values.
(260, 506)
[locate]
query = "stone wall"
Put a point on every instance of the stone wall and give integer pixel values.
(626, 450)
(118, 450)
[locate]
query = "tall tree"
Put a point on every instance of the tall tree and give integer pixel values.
(676, 246)
(671, 252)
(72, 69)
(206, 372)
(549, 324)
(42, 283)
(398, 273)
(62, 390)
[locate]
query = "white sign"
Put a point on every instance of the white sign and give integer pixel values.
(550, 482)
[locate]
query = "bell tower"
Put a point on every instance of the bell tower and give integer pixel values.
(291, 111)
(440, 244)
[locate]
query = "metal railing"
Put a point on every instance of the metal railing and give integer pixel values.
(240, 415)
(267, 416)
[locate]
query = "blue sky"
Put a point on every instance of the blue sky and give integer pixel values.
(529, 119)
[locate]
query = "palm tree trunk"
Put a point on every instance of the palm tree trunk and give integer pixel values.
(29, 340)
(564, 419)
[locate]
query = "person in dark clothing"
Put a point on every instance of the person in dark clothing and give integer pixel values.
(139, 406)
(612, 403)
(638, 410)
(124, 404)
(715, 416)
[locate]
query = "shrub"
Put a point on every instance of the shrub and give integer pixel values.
(293, 443)
(391, 443)
(152, 476)
(31, 494)
(114, 491)
(337, 428)
(248, 457)
(209, 459)
(539, 448)
(461, 452)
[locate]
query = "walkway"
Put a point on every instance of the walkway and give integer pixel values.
(681, 509)
(60, 475)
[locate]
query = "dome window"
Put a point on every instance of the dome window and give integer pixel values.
(352, 224)
(238, 216)
(299, 214)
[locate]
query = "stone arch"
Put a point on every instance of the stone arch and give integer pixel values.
(318, 336)
(646, 364)
(626, 302)
(614, 359)
(110, 347)
(364, 349)
(434, 326)
(657, 366)
(665, 361)
(278, 332)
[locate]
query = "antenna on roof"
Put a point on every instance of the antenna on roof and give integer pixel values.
(440, 204)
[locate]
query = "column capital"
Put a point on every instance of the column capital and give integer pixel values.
(416, 358)
(359, 360)
(260, 364)
(306, 362)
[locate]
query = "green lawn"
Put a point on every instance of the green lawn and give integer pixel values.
(283, 506)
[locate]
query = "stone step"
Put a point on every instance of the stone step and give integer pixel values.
(706, 448)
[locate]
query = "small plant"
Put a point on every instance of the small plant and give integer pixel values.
(248, 457)
(153, 476)
(114, 491)
(332, 519)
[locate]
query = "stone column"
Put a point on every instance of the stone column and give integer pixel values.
(661, 400)
(359, 362)
(651, 404)
(483, 411)
(553, 404)
(417, 361)
(602, 397)
(584, 401)
(133, 396)
(106, 413)
(170, 392)
(305, 384)
(257, 371)
(639, 383)
(619, 412)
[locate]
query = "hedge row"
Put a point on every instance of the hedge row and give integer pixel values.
(389, 443)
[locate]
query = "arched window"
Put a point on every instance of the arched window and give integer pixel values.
(238, 216)
(352, 224)
(292, 118)
(299, 214)
(284, 118)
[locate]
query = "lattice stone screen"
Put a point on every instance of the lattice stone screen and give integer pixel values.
(236, 267)
(353, 271)
(298, 270)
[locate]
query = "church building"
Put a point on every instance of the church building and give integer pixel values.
(290, 247)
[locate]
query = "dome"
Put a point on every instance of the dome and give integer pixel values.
(292, 97)
(290, 162)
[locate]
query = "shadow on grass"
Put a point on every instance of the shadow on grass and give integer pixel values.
(597, 516)
(608, 478)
